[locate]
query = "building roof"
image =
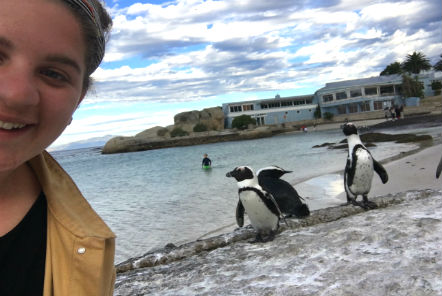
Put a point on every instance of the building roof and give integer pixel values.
(387, 79)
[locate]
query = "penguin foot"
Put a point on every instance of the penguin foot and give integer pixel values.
(370, 204)
(365, 205)
(260, 239)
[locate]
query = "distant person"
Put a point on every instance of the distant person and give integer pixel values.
(206, 163)
(397, 110)
(386, 113)
(392, 112)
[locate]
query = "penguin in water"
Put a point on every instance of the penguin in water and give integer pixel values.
(285, 195)
(261, 207)
(359, 169)
(439, 168)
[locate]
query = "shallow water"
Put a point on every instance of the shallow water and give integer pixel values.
(155, 197)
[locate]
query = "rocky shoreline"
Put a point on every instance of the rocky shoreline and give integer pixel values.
(145, 141)
(393, 250)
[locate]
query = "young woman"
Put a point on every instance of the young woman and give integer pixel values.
(51, 240)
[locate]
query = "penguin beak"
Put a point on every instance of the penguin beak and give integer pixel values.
(229, 174)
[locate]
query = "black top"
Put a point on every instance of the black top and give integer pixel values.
(206, 161)
(23, 253)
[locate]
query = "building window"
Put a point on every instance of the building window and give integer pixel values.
(352, 108)
(341, 109)
(371, 91)
(378, 105)
(355, 93)
(275, 105)
(308, 101)
(327, 98)
(341, 95)
(235, 109)
(264, 106)
(286, 103)
(398, 89)
(365, 106)
(247, 107)
(387, 90)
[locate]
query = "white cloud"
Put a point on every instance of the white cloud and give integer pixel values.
(193, 50)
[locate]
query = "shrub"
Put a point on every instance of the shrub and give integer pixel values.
(178, 132)
(242, 122)
(328, 115)
(436, 86)
(200, 127)
(412, 87)
(317, 113)
(162, 132)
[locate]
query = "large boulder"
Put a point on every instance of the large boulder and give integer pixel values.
(212, 118)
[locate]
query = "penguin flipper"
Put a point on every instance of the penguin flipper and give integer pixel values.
(349, 173)
(379, 169)
(240, 214)
(439, 168)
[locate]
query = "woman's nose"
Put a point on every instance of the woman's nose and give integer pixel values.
(18, 87)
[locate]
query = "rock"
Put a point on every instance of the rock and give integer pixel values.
(213, 118)
(154, 132)
(369, 138)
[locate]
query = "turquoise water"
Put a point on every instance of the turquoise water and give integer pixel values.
(156, 197)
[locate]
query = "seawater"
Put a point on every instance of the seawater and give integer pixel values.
(155, 197)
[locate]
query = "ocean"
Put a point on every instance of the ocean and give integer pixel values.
(152, 198)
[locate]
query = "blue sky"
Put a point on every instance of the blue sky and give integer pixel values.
(166, 57)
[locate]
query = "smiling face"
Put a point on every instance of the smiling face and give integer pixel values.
(41, 76)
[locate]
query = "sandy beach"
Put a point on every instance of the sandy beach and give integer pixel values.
(338, 250)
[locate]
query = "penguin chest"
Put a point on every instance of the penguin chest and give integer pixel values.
(363, 173)
(261, 218)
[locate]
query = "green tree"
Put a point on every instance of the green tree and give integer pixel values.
(200, 127)
(243, 121)
(393, 68)
(412, 87)
(178, 132)
(438, 65)
(328, 115)
(416, 62)
(436, 86)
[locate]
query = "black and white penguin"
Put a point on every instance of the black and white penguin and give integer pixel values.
(285, 194)
(260, 206)
(439, 168)
(359, 169)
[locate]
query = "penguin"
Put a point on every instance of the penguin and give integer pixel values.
(359, 169)
(261, 207)
(285, 195)
(439, 168)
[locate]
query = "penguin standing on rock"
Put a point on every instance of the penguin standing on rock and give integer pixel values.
(359, 169)
(261, 207)
(285, 195)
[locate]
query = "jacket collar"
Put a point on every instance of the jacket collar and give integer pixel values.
(65, 201)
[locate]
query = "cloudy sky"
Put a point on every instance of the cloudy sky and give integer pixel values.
(166, 57)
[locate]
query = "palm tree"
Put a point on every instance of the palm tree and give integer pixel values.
(393, 68)
(416, 62)
(438, 65)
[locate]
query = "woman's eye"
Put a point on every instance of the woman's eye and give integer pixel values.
(54, 75)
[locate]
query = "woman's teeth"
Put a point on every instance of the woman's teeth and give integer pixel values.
(10, 125)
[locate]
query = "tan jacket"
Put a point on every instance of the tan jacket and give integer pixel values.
(80, 246)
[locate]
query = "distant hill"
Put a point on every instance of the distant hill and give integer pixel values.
(88, 143)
